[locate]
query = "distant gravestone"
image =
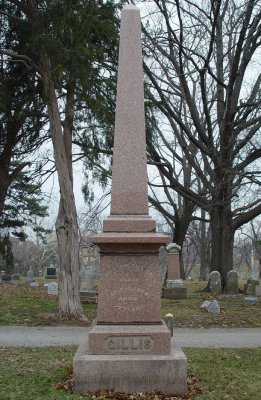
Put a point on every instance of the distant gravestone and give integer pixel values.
(251, 300)
(53, 288)
(34, 284)
(88, 279)
(215, 282)
(30, 275)
(173, 288)
(51, 273)
(6, 278)
(213, 307)
(255, 270)
(258, 290)
(232, 282)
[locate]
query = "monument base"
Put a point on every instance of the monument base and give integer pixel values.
(129, 339)
(130, 373)
(174, 293)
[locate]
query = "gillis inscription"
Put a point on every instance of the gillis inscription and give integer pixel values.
(129, 343)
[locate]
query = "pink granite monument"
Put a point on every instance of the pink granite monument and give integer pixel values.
(129, 346)
(173, 288)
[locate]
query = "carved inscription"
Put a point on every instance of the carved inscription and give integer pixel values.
(132, 292)
(129, 344)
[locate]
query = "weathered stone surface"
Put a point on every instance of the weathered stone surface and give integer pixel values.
(88, 278)
(53, 288)
(129, 169)
(129, 339)
(173, 261)
(205, 304)
(215, 282)
(251, 300)
(213, 307)
(232, 282)
(258, 290)
(174, 293)
(130, 373)
(129, 288)
(174, 283)
(30, 275)
(173, 266)
(255, 270)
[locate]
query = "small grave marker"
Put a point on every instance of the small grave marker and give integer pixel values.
(215, 282)
(232, 282)
(53, 288)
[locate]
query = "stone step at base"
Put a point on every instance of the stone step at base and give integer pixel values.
(130, 373)
(174, 293)
(88, 296)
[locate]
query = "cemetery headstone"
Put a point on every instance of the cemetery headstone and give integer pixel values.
(173, 288)
(255, 270)
(34, 284)
(232, 282)
(258, 290)
(51, 272)
(215, 282)
(129, 346)
(88, 279)
(53, 288)
(253, 281)
(251, 300)
(30, 275)
(6, 277)
(213, 307)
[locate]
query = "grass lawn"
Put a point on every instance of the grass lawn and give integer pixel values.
(32, 373)
(24, 305)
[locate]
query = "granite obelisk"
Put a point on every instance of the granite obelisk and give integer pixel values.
(129, 346)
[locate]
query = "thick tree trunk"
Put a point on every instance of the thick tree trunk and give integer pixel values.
(222, 242)
(180, 230)
(3, 189)
(203, 249)
(69, 263)
(66, 224)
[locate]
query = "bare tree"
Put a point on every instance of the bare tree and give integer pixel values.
(204, 82)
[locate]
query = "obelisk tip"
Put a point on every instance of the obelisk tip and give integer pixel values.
(128, 6)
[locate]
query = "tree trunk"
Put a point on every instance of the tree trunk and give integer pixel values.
(203, 248)
(68, 250)
(222, 242)
(180, 230)
(3, 189)
(66, 225)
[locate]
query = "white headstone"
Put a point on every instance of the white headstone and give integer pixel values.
(53, 288)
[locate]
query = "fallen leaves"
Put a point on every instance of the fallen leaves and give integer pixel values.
(67, 384)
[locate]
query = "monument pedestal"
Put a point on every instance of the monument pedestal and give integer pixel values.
(130, 373)
(129, 347)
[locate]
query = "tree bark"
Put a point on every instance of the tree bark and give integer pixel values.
(203, 248)
(66, 224)
(180, 230)
(222, 242)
